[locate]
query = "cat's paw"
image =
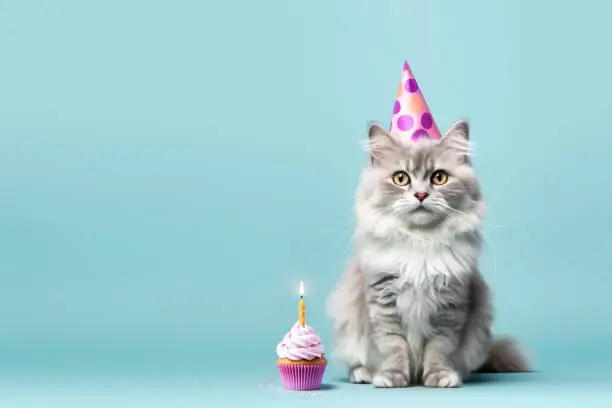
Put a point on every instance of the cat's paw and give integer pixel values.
(360, 375)
(390, 379)
(442, 379)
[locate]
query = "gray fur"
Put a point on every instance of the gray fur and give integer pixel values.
(412, 306)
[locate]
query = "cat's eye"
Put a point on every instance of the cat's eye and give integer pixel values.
(439, 177)
(401, 178)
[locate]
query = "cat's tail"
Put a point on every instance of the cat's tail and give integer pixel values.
(505, 356)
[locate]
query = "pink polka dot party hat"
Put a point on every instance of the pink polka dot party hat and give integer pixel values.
(412, 119)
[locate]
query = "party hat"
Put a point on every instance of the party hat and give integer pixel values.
(412, 119)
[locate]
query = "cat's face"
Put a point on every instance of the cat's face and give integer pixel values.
(425, 183)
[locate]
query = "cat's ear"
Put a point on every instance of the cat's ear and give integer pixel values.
(380, 142)
(458, 138)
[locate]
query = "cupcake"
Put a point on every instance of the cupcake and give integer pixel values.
(301, 360)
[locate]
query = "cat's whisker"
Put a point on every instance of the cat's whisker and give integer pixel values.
(495, 225)
(460, 215)
(455, 211)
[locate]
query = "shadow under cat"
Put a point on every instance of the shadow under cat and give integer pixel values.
(475, 379)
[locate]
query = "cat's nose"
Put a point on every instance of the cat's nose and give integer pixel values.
(421, 196)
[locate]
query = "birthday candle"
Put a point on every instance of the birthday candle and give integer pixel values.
(302, 307)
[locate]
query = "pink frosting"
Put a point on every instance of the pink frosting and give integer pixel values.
(301, 343)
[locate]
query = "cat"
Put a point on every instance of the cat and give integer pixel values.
(412, 306)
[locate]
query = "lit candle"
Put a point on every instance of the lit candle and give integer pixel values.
(302, 307)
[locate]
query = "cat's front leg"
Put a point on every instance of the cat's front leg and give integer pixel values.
(439, 370)
(393, 370)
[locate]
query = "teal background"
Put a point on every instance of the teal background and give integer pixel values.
(170, 171)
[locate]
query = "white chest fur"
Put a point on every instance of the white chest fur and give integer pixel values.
(418, 263)
(421, 268)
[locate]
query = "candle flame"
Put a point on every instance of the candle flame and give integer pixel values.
(301, 289)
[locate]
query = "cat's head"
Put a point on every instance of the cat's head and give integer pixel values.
(425, 185)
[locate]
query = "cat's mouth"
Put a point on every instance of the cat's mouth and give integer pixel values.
(420, 209)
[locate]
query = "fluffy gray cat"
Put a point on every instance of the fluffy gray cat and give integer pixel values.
(412, 306)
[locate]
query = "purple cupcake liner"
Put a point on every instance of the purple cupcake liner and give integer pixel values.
(302, 377)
